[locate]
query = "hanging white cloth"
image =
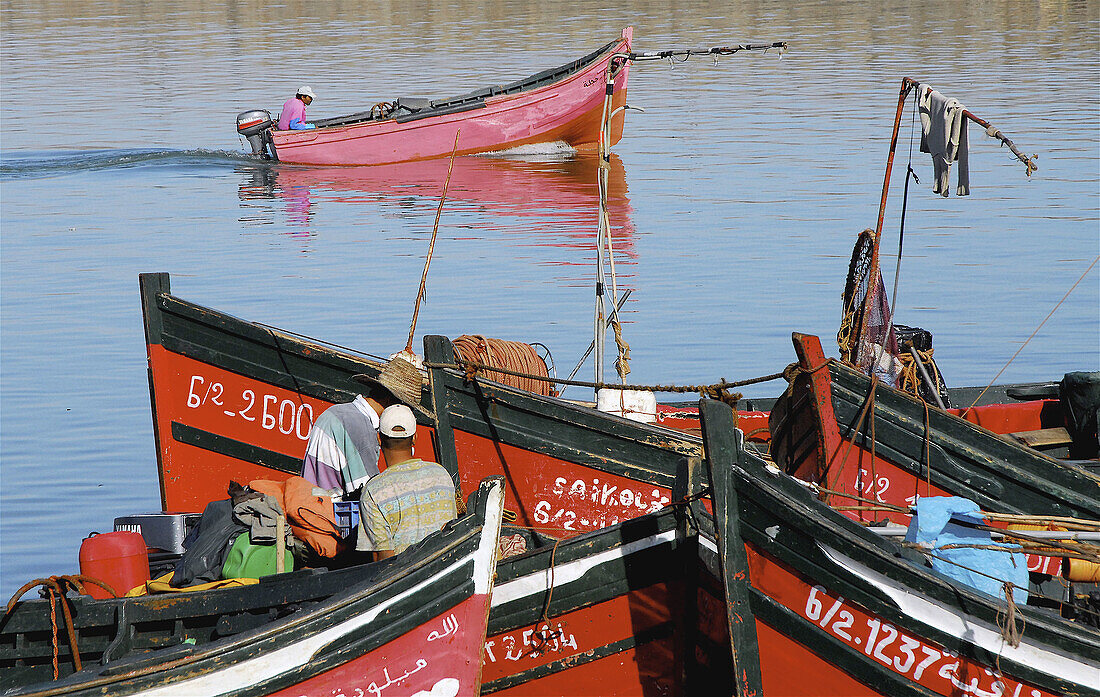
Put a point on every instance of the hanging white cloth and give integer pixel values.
(943, 135)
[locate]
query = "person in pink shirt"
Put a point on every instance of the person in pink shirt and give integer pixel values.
(293, 115)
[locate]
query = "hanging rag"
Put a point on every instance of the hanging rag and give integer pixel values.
(943, 136)
(983, 569)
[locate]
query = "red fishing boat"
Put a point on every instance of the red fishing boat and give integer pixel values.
(235, 400)
(564, 104)
(820, 605)
(413, 624)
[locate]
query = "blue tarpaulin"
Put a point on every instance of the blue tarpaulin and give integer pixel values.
(930, 527)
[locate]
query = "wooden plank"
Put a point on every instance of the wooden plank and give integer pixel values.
(721, 444)
(1044, 437)
(811, 359)
(438, 349)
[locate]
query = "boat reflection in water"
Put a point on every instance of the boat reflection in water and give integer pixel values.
(556, 199)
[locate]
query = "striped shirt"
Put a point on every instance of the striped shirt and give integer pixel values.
(342, 452)
(405, 504)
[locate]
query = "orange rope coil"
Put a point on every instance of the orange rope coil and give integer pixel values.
(509, 355)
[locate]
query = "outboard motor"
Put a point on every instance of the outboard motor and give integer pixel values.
(254, 125)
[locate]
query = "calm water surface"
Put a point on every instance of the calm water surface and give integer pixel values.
(736, 198)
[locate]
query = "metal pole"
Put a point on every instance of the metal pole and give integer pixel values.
(932, 387)
(592, 345)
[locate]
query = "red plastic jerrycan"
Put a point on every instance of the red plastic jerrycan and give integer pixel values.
(119, 559)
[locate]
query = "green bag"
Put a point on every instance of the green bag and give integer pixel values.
(246, 560)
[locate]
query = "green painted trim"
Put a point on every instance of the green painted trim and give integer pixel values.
(441, 350)
(722, 441)
(783, 519)
(568, 432)
(150, 285)
(223, 445)
(966, 459)
(325, 593)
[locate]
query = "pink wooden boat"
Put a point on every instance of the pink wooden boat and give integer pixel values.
(562, 104)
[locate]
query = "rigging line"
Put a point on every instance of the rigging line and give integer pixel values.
(723, 384)
(1049, 314)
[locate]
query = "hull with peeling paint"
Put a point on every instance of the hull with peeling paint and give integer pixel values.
(417, 621)
(837, 610)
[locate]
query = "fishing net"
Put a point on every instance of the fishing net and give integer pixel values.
(866, 339)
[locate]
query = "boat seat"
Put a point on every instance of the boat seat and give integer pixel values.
(411, 105)
(1030, 392)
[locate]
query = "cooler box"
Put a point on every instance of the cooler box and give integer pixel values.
(164, 531)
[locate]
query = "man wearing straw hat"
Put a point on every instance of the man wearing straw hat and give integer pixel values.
(342, 451)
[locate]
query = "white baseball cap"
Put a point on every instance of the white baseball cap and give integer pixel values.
(305, 91)
(397, 421)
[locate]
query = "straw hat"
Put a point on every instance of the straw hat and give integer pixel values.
(401, 378)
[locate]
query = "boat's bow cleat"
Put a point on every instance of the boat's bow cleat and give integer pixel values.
(254, 125)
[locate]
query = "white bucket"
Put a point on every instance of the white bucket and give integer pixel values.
(637, 405)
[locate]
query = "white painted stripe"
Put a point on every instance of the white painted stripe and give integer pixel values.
(710, 544)
(289, 658)
(968, 628)
(539, 581)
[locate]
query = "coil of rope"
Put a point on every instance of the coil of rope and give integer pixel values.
(910, 380)
(522, 366)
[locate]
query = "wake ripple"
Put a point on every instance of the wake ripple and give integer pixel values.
(39, 164)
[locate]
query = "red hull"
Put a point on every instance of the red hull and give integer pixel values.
(640, 670)
(428, 661)
(791, 666)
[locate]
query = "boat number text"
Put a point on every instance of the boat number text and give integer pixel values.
(911, 658)
(534, 644)
(270, 412)
(619, 502)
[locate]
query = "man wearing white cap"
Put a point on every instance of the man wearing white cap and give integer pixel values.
(293, 115)
(410, 499)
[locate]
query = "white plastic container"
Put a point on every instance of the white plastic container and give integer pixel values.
(637, 405)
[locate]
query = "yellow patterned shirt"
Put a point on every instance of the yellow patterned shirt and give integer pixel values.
(404, 504)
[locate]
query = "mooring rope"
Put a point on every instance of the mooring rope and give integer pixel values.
(714, 390)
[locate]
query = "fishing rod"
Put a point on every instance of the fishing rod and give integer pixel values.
(678, 55)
